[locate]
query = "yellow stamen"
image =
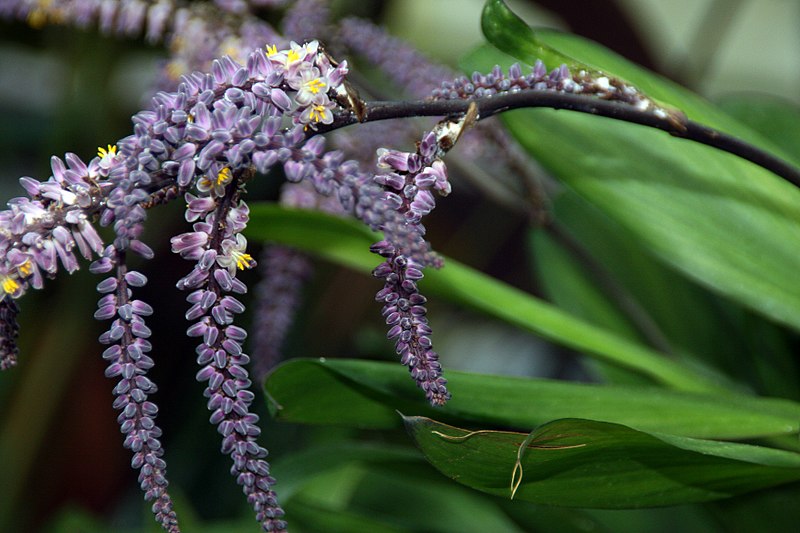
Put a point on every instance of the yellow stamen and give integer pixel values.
(317, 112)
(103, 152)
(37, 18)
(315, 85)
(25, 268)
(10, 285)
(292, 57)
(224, 176)
(175, 69)
(243, 260)
(272, 50)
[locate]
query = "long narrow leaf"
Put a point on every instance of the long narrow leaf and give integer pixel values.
(368, 394)
(347, 242)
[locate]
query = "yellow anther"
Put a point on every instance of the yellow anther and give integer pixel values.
(25, 268)
(224, 176)
(272, 50)
(315, 85)
(242, 260)
(10, 285)
(103, 152)
(317, 112)
(37, 18)
(292, 57)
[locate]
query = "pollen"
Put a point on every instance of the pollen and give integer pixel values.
(292, 57)
(37, 18)
(111, 151)
(317, 112)
(224, 176)
(10, 285)
(242, 259)
(272, 50)
(25, 268)
(315, 85)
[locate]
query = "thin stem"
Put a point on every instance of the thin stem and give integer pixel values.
(673, 123)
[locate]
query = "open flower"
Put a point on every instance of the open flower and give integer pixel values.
(310, 85)
(215, 187)
(234, 256)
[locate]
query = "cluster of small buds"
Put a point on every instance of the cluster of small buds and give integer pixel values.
(219, 251)
(557, 80)
(405, 314)
(50, 226)
(409, 189)
(128, 360)
(215, 127)
(195, 33)
(120, 17)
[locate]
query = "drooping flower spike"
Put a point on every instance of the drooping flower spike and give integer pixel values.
(216, 128)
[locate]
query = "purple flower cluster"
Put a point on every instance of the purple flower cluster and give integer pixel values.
(195, 33)
(405, 314)
(409, 187)
(216, 128)
(218, 249)
(50, 226)
(128, 361)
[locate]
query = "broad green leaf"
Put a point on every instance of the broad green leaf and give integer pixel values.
(299, 468)
(716, 219)
(368, 394)
(586, 463)
(686, 317)
(346, 242)
(683, 312)
(721, 220)
(311, 517)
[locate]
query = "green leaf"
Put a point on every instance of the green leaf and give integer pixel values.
(364, 481)
(775, 119)
(506, 31)
(345, 241)
(715, 218)
(368, 394)
(688, 319)
(586, 463)
(509, 33)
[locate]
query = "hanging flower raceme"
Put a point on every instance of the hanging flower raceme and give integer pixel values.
(410, 184)
(219, 251)
(204, 137)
